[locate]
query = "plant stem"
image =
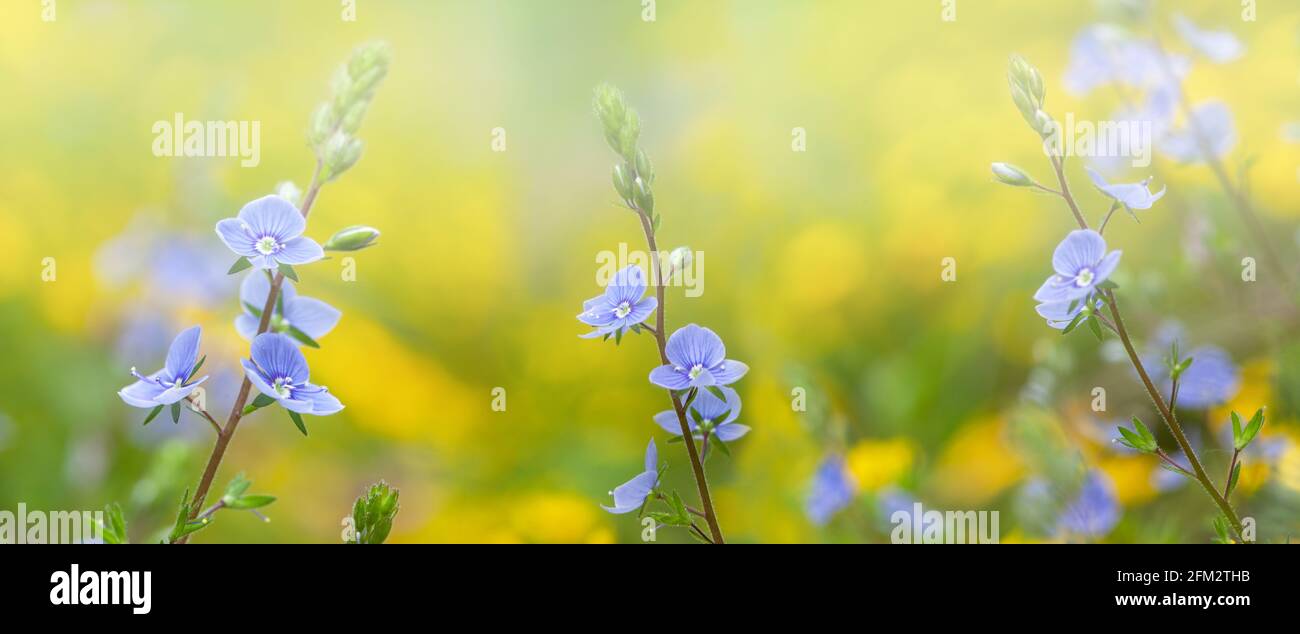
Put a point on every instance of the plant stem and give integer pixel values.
(204, 413)
(1165, 412)
(224, 435)
(697, 466)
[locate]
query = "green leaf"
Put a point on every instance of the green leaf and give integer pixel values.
(236, 488)
(1074, 323)
(1252, 428)
(1095, 327)
(1108, 285)
(1148, 438)
(153, 413)
(303, 337)
(297, 421)
(722, 446)
(1221, 530)
(676, 439)
(262, 400)
(1131, 440)
(1236, 431)
(717, 391)
(198, 365)
(250, 502)
(288, 271)
(176, 412)
(1232, 480)
(257, 312)
(241, 264)
(679, 507)
(695, 414)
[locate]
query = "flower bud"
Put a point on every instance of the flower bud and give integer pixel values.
(679, 259)
(1011, 175)
(352, 238)
(1022, 74)
(373, 514)
(341, 153)
(288, 191)
(622, 181)
(643, 196)
(644, 168)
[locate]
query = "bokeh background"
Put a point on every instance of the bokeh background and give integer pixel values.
(822, 267)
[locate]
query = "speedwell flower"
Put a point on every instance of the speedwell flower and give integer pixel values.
(621, 306)
(1060, 314)
(309, 316)
(1219, 47)
(1081, 263)
(1095, 511)
(279, 370)
(173, 382)
(833, 489)
(268, 232)
(1131, 195)
(630, 495)
(696, 358)
(1209, 130)
(708, 415)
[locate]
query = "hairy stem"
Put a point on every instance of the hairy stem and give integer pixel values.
(697, 466)
(225, 434)
(1168, 415)
(1165, 412)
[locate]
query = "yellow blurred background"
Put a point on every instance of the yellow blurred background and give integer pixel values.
(823, 267)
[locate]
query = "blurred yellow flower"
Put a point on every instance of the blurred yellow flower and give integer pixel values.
(876, 463)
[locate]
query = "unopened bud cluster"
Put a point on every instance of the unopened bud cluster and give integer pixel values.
(334, 124)
(634, 175)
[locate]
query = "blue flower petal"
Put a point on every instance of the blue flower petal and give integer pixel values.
(312, 316)
(183, 354)
(300, 251)
(279, 357)
(667, 376)
(273, 216)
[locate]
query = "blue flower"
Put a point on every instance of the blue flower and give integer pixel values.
(833, 489)
(1081, 263)
(310, 316)
(279, 371)
(1219, 47)
(1095, 511)
(1131, 195)
(1102, 55)
(631, 495)
(172, 383)
(1213, 121)
(268, 232)
(710, 413)
(696, 358)
(1060, 314)
(620, 307)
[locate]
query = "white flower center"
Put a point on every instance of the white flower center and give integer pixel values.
(283, 387)
(695, 372)
(622, 310)
(267, 245)
(1084, 277)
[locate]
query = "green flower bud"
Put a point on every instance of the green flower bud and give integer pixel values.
(340, 154)
(352, 118)
(352, 238)
(1024, 104)
(1023, 74)
(644, 168)
(1011, 175)
(322, 125)
(289, 191)
(628, 136)
(368, 57)
(643, 196)
(373, 514)
(622, 182)
(680, 258)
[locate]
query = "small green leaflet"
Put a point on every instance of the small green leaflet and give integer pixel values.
(288, 271)
(297, 421)
(153, 413)
(241, 264)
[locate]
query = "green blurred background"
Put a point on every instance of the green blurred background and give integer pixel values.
(822, 267)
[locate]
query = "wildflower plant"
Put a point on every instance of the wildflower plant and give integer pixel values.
(268, 238)
(693, 367)
(1080, 292)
